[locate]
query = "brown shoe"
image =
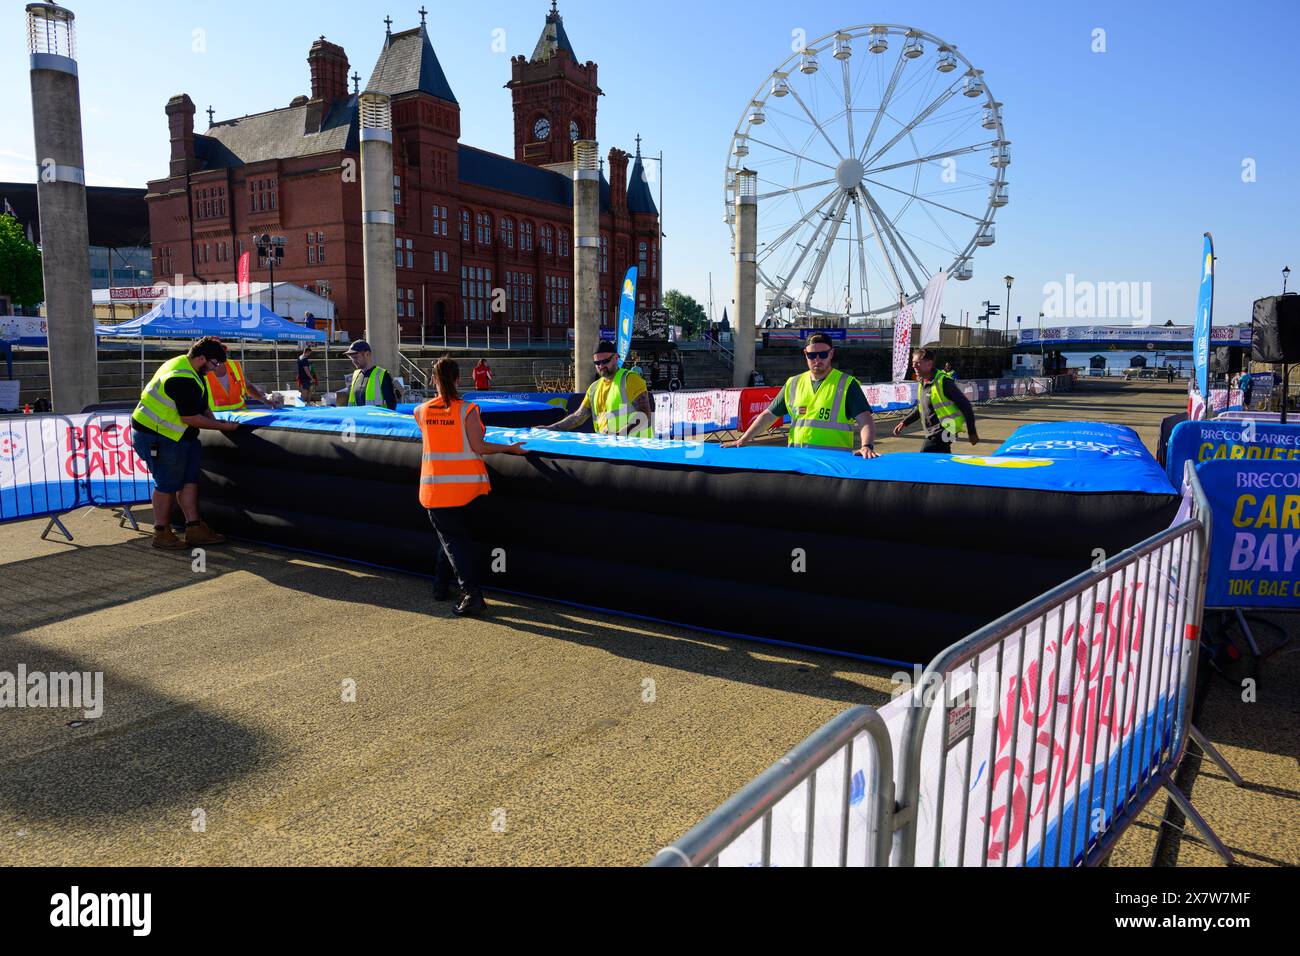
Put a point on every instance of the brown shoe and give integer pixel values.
(201, 534)
(165, 539)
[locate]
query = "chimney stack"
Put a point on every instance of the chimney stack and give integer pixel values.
(618, 180)
(180, 121)
(329, 71)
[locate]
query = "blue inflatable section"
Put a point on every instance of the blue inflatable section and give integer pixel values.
(1080, 457)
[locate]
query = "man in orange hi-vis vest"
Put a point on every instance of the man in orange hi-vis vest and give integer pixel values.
(227, 390)
(452, 477)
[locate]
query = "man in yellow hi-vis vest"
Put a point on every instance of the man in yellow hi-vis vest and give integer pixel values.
(942, 408)
(370, 384)
(617, 401)
(827, 407)
(164, 433)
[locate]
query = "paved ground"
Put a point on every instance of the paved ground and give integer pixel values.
(540, 736)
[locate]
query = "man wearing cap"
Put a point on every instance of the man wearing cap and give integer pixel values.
(618, 400)
(827, 407)
(371, 385)
(164, 433)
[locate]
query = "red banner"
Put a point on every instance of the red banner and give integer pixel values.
(243, 275)
(754, 402)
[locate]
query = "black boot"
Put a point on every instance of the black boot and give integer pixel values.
(441, 589)
(471, 604)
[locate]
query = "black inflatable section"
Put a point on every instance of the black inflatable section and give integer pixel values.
(885, 569)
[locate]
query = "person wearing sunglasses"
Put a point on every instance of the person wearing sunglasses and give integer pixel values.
(617, 400)
(827, 407)
(942, 408)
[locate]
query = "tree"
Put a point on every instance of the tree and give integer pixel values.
(686, 312)
(20, 265)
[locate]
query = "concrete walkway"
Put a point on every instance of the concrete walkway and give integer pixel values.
(539, 736)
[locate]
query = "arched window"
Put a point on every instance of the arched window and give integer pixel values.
(526, 237)
(466, 229)
(548, 240)
(507, 232)
(484, 229)
(564, 242)
(643, 260)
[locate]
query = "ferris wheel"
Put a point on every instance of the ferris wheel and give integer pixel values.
(880, 160)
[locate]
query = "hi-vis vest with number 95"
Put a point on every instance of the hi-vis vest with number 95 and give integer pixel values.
(228, 397)
(820, 419)
(451, 474)
(156, 410)
(948, 414)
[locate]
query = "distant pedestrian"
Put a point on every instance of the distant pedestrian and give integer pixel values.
(307, 380)
(482, 376)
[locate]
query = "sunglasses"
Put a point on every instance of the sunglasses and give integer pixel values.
(600, 362)
(822, 354)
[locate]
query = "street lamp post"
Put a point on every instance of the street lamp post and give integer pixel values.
(1006, 320)
(1286, 274)
(270, 248)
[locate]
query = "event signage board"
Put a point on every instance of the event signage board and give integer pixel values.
(1233, 439)
(902, 343)
(1204, 320)
(1255, 542)
(50, 464)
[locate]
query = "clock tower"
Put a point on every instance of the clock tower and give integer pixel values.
(554, 98)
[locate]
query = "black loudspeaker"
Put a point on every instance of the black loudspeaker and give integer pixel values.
(1275, 336)
(1225, 360)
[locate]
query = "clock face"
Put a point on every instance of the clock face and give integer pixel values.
(542, 129)
(573, 130)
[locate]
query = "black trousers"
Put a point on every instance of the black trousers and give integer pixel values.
(936, 445)
(455, 561)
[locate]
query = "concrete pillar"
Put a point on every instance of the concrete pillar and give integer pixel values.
(379, 229)
(746, 275)
(586, 265)
(61, 197)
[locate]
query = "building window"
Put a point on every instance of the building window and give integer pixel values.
(654, 259)
(439, 261)
(401, 305)
(404, 253)
(526, 237)
(397, 190)
(397, 243)
(410, 305)
(604, 309)
(320, 247)
(475, 293)
(323, 288)
(484, 222)
(508, 232)
(642, 260)
(564, 243)
(466, 234)
(311, 250)
(440, 170)
(547, 240)
(557, 299)
(519, 292)
(604, 254)
(440, 220)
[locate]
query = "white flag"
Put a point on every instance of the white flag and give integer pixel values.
(930, 314)
(902, 343)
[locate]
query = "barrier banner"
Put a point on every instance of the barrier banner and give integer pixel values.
(902, 343)
(50, 464)
(1235, 439)
(753, 403)
(1088, 691)
(1255, 544)
(569, 401)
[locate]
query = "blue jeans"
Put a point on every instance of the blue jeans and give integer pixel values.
(173, 464)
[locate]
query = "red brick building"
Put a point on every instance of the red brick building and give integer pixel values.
(468, 221)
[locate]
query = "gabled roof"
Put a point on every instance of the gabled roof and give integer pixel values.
(481, 168)
(278, 134)
(409, 65)
(553, 38)
(639, 197)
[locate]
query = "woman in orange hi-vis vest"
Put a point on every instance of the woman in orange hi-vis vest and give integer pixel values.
(452, 477)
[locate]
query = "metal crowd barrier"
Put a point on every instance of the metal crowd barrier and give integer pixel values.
(52, 464)
(1059, 722)
(822, 767)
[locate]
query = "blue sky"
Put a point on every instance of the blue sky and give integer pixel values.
(1121, 159)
